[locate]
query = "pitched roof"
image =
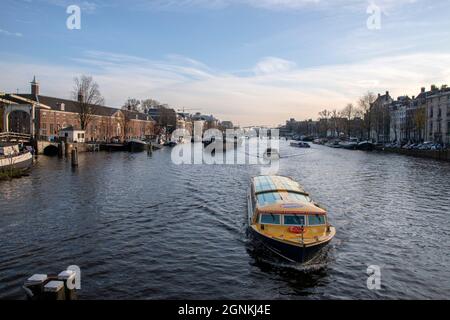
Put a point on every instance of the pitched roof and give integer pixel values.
(72, 106)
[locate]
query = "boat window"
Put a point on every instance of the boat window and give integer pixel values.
(294, 220)
(270, 219)
(316, 220)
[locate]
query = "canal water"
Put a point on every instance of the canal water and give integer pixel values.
(143, 228)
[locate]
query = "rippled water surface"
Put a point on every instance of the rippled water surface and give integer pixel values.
(145, 228)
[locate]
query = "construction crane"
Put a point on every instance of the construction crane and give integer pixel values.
(184, 110)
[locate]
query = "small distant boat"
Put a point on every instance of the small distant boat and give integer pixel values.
(320, 141)
(271, 154)
(11, 157)
(366, 146)
(300, 145)
(135, 145)
(282, 216)
(170, 144)
(335, 144)
(352, 144)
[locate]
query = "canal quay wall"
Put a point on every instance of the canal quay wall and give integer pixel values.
(44, 147)
(443, 155)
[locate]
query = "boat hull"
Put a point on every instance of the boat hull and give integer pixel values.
(136, 146)
(21, 162)
(300, 145)
(287, 251)
(366, 146)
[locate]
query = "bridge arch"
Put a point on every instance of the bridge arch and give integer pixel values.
(51, 150)
(19, 121)
(14, 119)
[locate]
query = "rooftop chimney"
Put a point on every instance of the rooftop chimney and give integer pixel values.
(34, 87)
(80, 96)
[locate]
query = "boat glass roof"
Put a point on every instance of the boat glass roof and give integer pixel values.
(269, 198)
(276, 183)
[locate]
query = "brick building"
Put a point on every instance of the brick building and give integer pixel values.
(105, 123)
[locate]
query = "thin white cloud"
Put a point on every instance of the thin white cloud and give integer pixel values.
(268, 97)
(271, 65)
(86, 6)
(271, 4)
(10, 34)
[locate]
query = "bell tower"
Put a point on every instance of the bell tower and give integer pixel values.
(34, 87)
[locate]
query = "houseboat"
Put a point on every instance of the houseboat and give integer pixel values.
(136, 145)
(11, 157)
(282, 216)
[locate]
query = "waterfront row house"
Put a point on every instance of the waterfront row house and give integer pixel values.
(422, 118)
(438, 115)
(380, 118)
(398, 119)
(54, 114)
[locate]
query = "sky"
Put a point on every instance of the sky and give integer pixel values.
(254, 62)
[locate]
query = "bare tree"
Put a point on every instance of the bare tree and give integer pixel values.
(349, 113)
(365, 106)
(87, 94)
(324, 117)
(148, 104)
(132, 105)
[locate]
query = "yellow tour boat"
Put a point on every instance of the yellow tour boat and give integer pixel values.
(283, 217)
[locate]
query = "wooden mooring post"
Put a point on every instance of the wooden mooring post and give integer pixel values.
(149, 148)
(74, 157)
(45, 287)
(61, 149)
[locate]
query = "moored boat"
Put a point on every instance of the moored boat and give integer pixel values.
(365, 146)
(335, 144)
(300, 145)
(284, 219)
(135, 145)
(12, 158)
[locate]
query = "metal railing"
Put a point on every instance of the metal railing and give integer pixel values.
(14, 136)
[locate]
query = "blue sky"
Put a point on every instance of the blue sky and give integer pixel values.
(249, 61)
